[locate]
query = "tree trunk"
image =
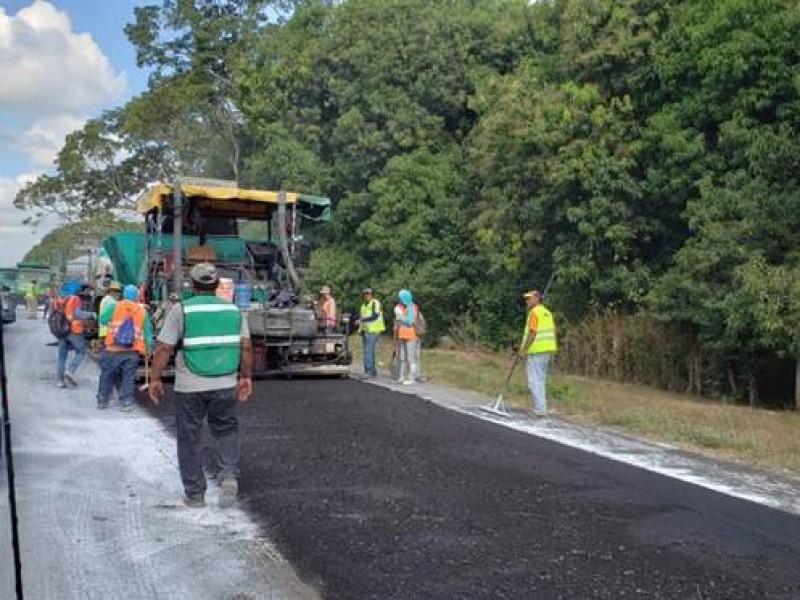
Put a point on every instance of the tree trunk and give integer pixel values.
(752, 390)
(797, 384)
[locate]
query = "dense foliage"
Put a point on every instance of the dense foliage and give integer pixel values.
(646, 151)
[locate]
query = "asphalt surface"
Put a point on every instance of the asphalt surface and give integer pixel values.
(375, 494)
(99, 500)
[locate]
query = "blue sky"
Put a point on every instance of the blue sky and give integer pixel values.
(63, 61)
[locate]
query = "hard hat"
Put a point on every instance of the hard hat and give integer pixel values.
(115, 286)
(131, 292)
(325, 290)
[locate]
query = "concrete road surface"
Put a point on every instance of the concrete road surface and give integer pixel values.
(100, 512)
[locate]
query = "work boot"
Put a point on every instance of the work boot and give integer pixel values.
(71, 378)
(194, 501)
(228, 492)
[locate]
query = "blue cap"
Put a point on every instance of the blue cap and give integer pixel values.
(405, 297)
(130, 292)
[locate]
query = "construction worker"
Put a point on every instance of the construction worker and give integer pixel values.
(110, 299)
(215, 347)
(328, 307)
(129, 336)
(406, 337)
(371, 326)
(71, 304)
(31, 300)
(538, 344)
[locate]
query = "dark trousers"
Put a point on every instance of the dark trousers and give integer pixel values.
(219, 407)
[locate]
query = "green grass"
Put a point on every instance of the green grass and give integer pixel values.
(763, 438)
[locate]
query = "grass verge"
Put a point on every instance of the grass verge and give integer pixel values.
(767, 439)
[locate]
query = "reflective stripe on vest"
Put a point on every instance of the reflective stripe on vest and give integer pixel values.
(367, 310)
(211, 336)
(545, 340)
(123, 310)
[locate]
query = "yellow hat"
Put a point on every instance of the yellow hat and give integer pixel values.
(115, 286)
(531, 294)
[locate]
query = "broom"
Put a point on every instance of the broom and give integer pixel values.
(499, 406)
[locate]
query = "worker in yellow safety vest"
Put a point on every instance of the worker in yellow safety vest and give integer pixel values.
(31, 300)
(110, 299)
(371, 326)
(538, 345)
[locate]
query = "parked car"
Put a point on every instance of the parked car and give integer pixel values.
(8, 307)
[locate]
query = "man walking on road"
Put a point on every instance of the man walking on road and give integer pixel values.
(538, 344)
(71, 304)
(215, 347)
(128, 336)
(371, 326)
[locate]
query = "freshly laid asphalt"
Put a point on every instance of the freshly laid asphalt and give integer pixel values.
(374, 494)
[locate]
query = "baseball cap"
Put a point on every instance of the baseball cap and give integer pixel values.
(204, 273)
(531, 294)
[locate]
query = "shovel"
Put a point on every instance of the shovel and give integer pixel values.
(146, 383)
(394, 366)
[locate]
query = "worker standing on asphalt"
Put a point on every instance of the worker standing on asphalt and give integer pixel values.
(31, 300)
(71, 304)
(129, 336)
(328, 307)
(538, 345)
(215, 347)
(371, 326)
(406, 337)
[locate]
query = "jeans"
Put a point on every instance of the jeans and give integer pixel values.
(409, 360)
(33, 307)
(113, 366)
(74, 341)
(370, 344)
(219, 406)
(537, 367)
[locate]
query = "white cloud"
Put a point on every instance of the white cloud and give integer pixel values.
(15, 237)
(48, 68)
(44, 138)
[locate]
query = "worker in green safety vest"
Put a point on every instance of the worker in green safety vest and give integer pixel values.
(213, 370)
(538, 345)
(371, 326)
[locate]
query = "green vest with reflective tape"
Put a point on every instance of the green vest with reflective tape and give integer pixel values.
(376, 326)
(545, 340)
(211, 336)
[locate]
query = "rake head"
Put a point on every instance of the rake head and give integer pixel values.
(498, 408)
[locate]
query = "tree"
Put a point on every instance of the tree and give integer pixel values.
(100, 167)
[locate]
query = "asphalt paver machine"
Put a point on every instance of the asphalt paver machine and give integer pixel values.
(252, 237)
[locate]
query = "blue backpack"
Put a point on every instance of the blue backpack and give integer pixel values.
(125, 335)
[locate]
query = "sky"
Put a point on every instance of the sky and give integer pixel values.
(62, 61)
